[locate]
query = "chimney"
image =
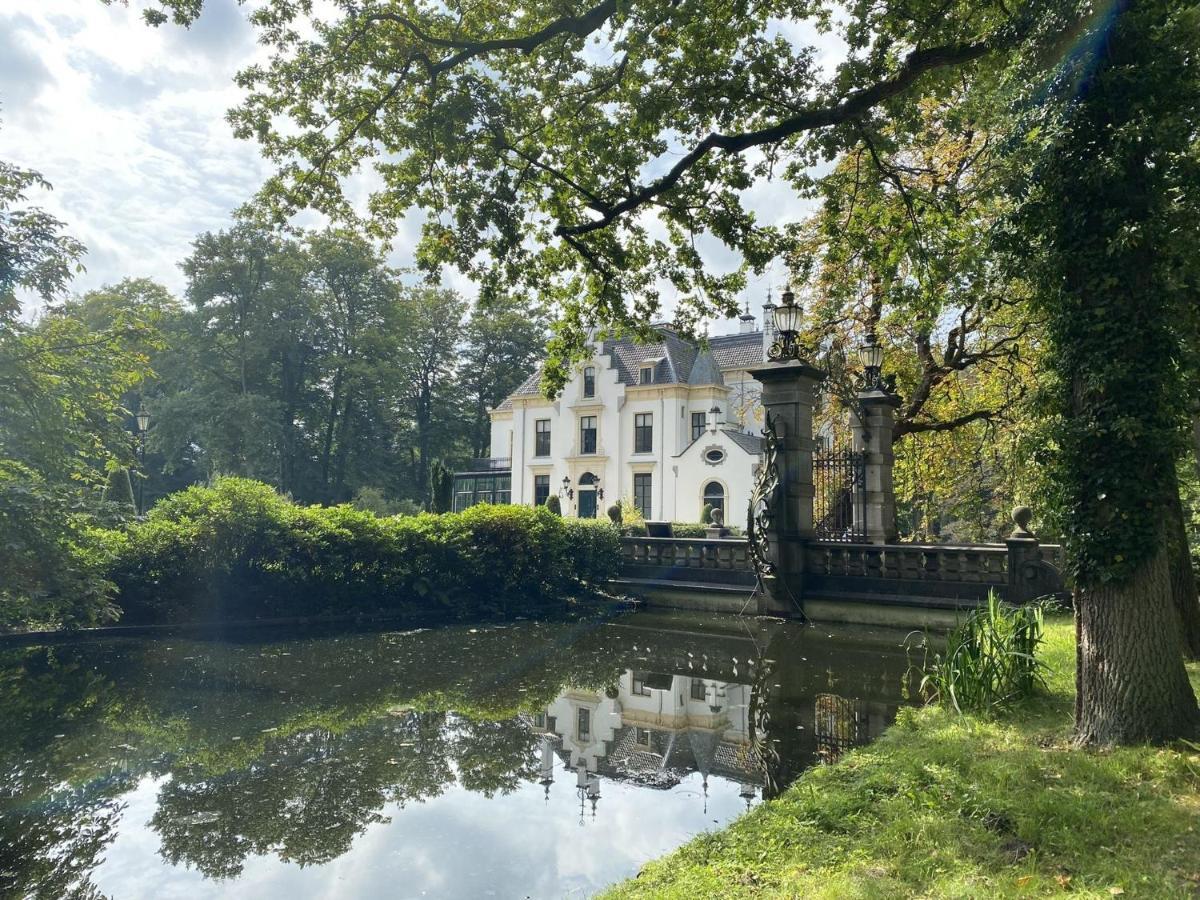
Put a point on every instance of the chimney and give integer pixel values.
(768, 329)
(746, 321)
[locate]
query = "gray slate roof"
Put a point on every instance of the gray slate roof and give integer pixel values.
(678, 361)
(751, 443)
(705, 370)
(737, 351)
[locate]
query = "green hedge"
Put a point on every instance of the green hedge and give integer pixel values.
(238, 550)
(680, 530)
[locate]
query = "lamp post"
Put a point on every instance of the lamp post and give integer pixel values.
(786, 319)
(143, 424)
(870, 355)
(566, 490)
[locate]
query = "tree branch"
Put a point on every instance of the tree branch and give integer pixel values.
(917, 63)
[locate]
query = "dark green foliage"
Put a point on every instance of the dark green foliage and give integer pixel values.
(554, 504)
(238, 550)
(706, 514)
(118, 489)
(51, 562)
(614, 513)
(990, 659)
(441, 487)
(1110, 229)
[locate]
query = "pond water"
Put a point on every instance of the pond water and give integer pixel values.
(532, 759)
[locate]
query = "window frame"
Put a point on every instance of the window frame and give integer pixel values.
(646, 375)
(589, 382)
(643, 481)
(705, 495)
(583, 724)
(584, 449)
(643, 432)
(701, 419)
(538, 433)
(536, 485)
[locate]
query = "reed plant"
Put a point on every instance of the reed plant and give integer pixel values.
(990, 658)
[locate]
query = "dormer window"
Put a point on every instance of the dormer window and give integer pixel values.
(589, 382)
(647, 375)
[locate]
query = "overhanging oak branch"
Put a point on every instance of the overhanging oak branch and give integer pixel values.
(916, 64)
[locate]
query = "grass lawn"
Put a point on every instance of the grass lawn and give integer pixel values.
(943, 806)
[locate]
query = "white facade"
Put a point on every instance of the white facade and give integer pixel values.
(673, 425)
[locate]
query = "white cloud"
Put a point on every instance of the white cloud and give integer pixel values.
(128, 123)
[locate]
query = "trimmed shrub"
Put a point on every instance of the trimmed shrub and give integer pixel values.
(441, 487)
(554, 505)
(614, 513)
(706, 514)
(679, 530)
(238, 550)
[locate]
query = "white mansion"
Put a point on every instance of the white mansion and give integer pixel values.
(670, 425)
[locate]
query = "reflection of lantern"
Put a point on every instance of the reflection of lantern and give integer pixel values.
(786, 319)
(747, 792)
(547, 778)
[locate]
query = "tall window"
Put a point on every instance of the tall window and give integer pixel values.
(643, 433)
(541, 437)
(587, 434)
(647, 375)
(541, 489)
(714, 495)
(589, 382)
(641, 493)
(699, 689)
(699, 423)
(585, 723)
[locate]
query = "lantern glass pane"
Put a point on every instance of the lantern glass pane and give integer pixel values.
(787, 318)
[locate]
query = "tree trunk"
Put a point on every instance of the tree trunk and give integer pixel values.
(335, 402)
(1183, 579)
(1131, 680)
(1196, 436)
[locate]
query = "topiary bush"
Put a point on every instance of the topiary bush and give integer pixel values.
(441, 487)
(614, 513)
(554, 505)
(706, 514)
(238, 550)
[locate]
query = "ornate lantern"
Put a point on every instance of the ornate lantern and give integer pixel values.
(870, 355)
(786, 319)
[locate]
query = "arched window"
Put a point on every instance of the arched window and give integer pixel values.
(587, 478)
(714, 495)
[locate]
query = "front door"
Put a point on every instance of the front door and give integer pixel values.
(587, 504)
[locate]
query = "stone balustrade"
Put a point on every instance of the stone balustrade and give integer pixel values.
(714, 560)
(946, 575)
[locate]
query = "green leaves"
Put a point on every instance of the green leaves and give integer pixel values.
(239, 550)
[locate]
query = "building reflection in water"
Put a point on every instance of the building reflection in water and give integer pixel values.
(654, 730)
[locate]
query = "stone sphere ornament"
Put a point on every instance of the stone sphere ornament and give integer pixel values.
(1022, 516)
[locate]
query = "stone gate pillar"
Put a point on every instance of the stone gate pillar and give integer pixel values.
(873, 438)
(788, 395)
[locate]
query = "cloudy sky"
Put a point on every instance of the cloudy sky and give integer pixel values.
(127, 123)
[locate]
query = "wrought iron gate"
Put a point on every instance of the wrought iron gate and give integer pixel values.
(839, 504)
